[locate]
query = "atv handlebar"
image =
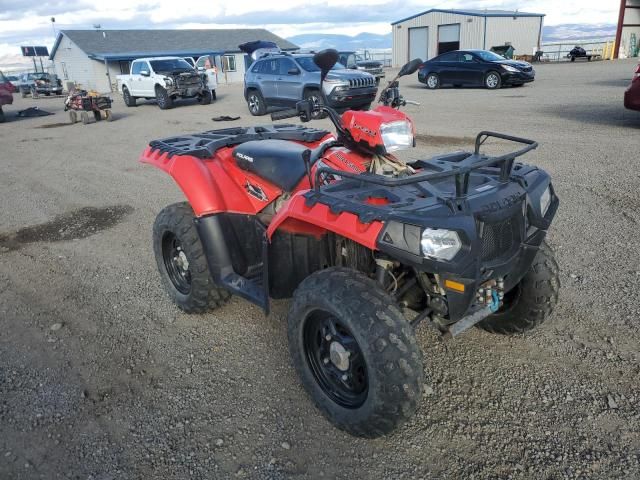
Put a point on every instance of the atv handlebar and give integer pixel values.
(282, 114)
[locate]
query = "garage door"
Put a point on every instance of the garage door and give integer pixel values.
(448, 38)
(419, 43)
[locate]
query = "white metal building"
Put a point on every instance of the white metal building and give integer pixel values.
(93, 58)
(436, 31)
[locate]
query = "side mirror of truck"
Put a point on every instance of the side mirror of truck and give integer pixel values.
(145, 73)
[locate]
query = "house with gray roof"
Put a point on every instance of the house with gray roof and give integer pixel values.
(93, 58)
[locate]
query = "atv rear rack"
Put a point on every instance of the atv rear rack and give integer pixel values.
(460, 169)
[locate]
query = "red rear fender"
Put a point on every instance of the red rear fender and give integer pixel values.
(193, 177)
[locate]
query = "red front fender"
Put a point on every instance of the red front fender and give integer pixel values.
(298, 217)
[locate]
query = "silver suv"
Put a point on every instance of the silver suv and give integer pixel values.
(282, 79)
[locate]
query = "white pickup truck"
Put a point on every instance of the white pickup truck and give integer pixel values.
(165, 79)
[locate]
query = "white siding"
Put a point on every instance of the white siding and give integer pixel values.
(80, 68)
(522, 33)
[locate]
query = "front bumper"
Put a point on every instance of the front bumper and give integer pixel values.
(354, 97)
(513, 78)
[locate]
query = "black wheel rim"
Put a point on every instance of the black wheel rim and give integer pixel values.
(335, 359)
(176, 263)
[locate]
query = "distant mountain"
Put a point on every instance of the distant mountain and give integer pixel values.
(573, 31)
(318, 41)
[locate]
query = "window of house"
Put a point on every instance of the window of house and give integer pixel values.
(229, 63)
(65, 74)
(125, 67)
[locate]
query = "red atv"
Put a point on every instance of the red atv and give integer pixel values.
(368, 246)
(6, 94)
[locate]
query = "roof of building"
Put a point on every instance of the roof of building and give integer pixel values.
(127, 44)
(475, 13)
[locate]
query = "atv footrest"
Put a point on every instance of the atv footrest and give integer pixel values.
(251, 289)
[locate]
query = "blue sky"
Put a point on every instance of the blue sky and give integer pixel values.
(26, 22)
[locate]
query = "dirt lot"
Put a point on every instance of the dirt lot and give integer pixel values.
(102, 378)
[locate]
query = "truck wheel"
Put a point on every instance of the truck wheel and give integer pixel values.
(493, 81)
(181, 261)
(317, 100)
(531, 301)
(73, 116)
(205, 98)
(163, 98)
(85, 117)
(129, 101)
(432, 81)
(354, 351)
(255, 102)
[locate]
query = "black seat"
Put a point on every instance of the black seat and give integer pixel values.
(277, 161)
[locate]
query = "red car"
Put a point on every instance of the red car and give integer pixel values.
(6, 94)
(632, 95)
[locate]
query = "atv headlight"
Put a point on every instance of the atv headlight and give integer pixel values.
(440, 244)
(545, 201)
(397, 135)
(511, 69)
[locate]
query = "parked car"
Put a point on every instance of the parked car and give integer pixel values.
(474, 67)
(40, 83)
(283, 79)
(364, 62)
(6, 94)
(632, 95)
(14, 79)
(162, 78)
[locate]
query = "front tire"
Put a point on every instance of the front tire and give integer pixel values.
(129, 100)
(432, 81)
(255, 102)
(73, 116)
(181, 261)
(163, 98)
(317, 100)
(493, 81)
(205, 98)
(355, 353)
(531, 301)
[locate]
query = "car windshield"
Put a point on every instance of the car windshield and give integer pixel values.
(307, 64)
(488, 56)
(38, 76)
(170, 65)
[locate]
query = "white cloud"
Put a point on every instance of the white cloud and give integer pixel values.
(28, 21)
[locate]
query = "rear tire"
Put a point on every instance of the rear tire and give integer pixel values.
(73, 116)
(355, 353)
(492, 80)
(255, 102)
(163, 98)
(129, 101)
(432, 81)
(85, 117)
(531, 301)
(181, 261)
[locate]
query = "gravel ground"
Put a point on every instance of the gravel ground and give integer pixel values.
(102, 378)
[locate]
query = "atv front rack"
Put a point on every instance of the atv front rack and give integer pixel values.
(340, 195)
(460, 170)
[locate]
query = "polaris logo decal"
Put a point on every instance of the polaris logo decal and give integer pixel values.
(256, 191)
(368, 131)
(244, 157)
(504, 203)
